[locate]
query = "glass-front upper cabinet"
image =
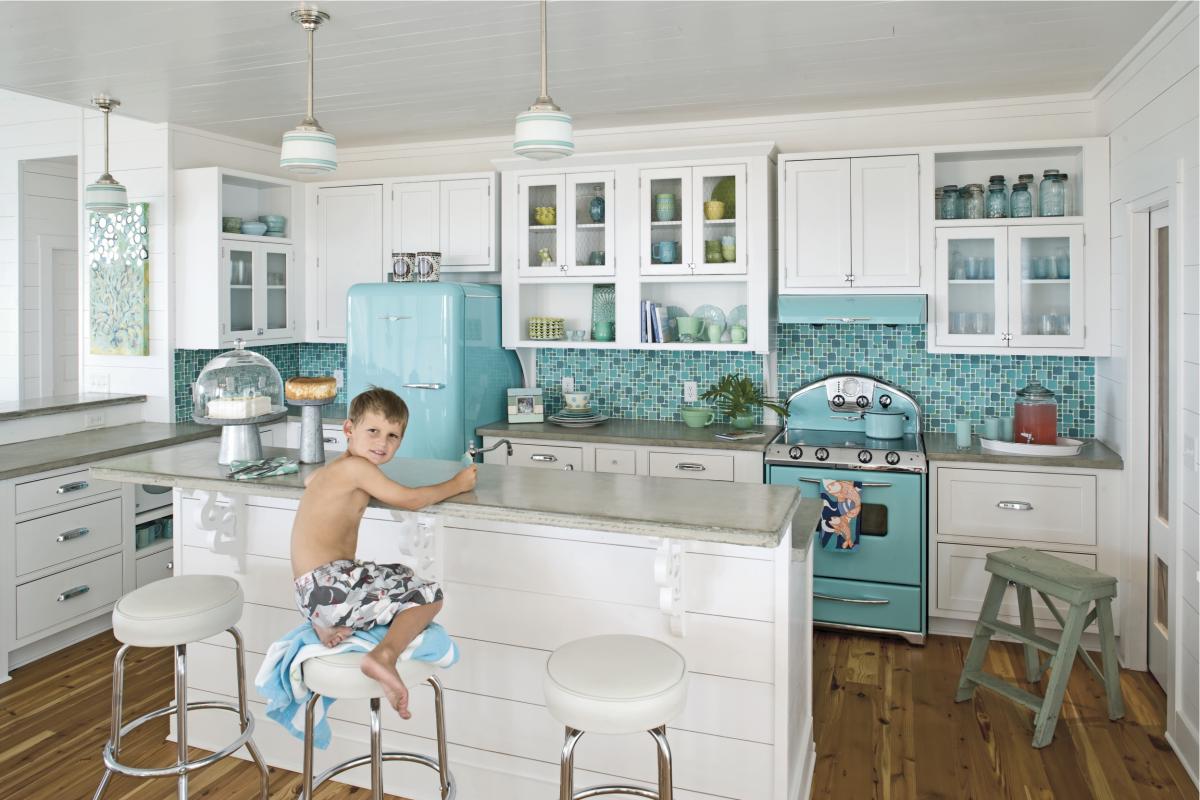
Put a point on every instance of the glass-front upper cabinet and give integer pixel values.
(565, 225)
(1046, 286)
(259, 288)
(972, 267)
(690, 222)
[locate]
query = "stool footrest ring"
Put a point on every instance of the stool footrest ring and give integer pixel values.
(411, 758)
(110, 760)
(600, 791)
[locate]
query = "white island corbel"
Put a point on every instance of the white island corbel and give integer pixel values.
(530, 560)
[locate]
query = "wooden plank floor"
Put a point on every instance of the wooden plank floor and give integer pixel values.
(886, 727)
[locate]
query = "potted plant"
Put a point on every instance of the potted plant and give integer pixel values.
(738, 397)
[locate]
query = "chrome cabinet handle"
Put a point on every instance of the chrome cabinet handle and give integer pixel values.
(569, 468)
(329, 439)
(424, 386)
(848, 320)
(865, 485)
(71, 487)
(686, 466)
(69, 593)
(75, 534)
(1015, 505)
(170, 566)
(855, 601)
(547, 458)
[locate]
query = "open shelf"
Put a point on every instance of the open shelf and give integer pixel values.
(1006, 222)
(153, 514)
(971, 281)
(245, 237)
(157, 546)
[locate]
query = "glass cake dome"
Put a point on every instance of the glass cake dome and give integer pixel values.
(237, 387)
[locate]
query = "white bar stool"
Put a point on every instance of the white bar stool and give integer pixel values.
(340, 676)
(615, 685)
(171, 613)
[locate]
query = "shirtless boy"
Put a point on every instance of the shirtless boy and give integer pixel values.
(338, 593)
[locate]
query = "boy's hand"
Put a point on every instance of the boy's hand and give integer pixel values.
(464, 481)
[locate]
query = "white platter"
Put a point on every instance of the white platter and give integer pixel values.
(1065, 447)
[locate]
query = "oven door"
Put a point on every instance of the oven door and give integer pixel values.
(891, 526)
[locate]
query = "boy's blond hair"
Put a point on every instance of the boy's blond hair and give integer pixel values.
(382, 401)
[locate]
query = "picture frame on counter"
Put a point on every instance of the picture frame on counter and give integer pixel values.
(526, 405)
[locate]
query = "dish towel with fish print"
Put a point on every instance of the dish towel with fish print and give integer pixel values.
(841, 505)
(281, 678)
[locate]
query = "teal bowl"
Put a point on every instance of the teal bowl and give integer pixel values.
(274, 221)
(254, 228)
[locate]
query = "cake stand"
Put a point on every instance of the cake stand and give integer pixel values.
(312, 441)
(239, 437)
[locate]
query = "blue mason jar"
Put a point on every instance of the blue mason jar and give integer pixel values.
(1052, 195)
(950, 202)
(1021, 201)
(996, 206)
(596, 208)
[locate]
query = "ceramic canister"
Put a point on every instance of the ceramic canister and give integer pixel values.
(664, 207)
(429, 266)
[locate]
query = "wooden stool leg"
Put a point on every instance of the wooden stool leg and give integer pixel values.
(1033, 662)
(1108, 648)
(979, 643)
(1060, 673)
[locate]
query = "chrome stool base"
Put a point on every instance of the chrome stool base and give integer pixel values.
(447, 786)
(182, 766)
(567, 777)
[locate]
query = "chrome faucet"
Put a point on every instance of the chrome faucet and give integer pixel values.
(474, 451)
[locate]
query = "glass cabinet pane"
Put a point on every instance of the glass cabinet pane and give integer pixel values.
(1046, 273)
(277, 290)
(542, 220)
(971, 290)
(717, 209)
(241, 290)
(666, 209)
(590, 218)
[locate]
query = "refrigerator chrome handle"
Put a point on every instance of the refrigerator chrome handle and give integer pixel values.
(393, 317)
(424, 386)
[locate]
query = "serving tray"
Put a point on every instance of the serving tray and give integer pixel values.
(1065, 447)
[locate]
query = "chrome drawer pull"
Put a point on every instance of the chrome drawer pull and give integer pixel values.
(329, 439)
(689, 467)
(864, 485)
(1015, 505)
(570, 467)
(69, 593)
(170, 566)
(424, 386)
(544, 457)
(71, 487)
(75, 534)
(819, 596)
(848, 320)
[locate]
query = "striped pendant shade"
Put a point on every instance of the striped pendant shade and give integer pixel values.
(105, 198)
(308, 151)
(543, 135)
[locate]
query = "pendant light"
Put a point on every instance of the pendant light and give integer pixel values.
(105, 196)
(307, 148)
(544, 131)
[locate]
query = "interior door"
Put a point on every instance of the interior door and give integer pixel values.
(1163, 433)
(816, 208)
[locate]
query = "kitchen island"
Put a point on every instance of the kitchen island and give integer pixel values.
(530, 560)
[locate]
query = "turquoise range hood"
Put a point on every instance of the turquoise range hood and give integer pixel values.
(853, 309)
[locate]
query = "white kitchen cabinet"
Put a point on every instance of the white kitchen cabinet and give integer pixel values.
(455, 217)
(572, 243)
(349, 250)
(416, 216)
(687, 230)
(850, 223)
(235, 286)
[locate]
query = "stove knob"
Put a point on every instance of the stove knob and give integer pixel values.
(862, 401)
(795, 453)
(885, 400)
(864, 456)
(822, 454)
(892, 458)
(838, 401)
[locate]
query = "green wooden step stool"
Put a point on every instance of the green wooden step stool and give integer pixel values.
(1050, 576)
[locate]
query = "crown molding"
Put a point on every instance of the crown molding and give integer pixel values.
(1173, 18)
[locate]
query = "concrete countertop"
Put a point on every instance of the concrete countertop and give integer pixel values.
(42, 455)
(60, 403)
(1093, 455)
(633, 432)
(332, 414)
(753, 515)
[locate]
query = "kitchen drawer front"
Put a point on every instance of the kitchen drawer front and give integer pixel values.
(47, 492)
(1020, 506)
(696, 466)
(53, 539)
(67, 595)
(334, 438)
(962, 581)
(155, 567)
(874, 605)
(622, 462)
(546, 457)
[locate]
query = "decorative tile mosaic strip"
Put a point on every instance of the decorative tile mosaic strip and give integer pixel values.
(188, 364)
(947, 386)
(322, 359)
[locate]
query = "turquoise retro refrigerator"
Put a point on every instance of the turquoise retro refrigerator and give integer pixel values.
(437, 345)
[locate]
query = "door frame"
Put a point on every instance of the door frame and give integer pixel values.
(47, 244)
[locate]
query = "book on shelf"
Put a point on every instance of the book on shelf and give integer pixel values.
(645, 319)
(660, 320)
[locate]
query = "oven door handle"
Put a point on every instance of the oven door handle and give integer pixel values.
(855, 601)
(817, 481)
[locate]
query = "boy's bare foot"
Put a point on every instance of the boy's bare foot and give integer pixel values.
(332, 637)
(380, 666)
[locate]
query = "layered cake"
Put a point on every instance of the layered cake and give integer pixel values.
(322, 388)
(238, 407)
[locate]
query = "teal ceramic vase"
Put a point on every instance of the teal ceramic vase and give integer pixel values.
(743, 421)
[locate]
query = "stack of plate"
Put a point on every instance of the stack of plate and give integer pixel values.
(577, 418)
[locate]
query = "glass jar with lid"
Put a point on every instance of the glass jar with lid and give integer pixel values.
(938, 194)
(973, 202)
(1068, 194)
(238, 389)
(997, 201)
(1035, 415)
(1030, 184)
(1021, 202)
(1051, 194)
(950, 209)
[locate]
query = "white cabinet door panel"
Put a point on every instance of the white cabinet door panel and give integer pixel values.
(466, 224)
(817, 224)
(349, 250)
(884, 221)
(416, 223)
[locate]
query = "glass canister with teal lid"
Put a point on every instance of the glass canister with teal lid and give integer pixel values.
(973, 202)
(1021, 201)
(1032, 186)
(1051, 195)
(938, 194)
(996, 206)
(950, 201)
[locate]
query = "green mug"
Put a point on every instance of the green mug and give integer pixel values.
(697, 416)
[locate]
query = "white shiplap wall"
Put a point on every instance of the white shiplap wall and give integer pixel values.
(1149, 109)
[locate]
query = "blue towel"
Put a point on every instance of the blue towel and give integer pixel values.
(280, 679)
(841, 505)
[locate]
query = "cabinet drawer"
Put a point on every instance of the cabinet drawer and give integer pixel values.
(962, 582)
(546, 457)
(334, 439)
(623, 462)
(53, 539)
(155, 566)
(67, 595)
(691, 465)
(47, 492)
(873, 605)
(1021, 506)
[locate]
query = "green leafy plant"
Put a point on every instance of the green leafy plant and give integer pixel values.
(736, 395)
